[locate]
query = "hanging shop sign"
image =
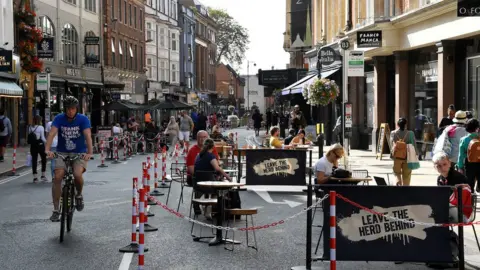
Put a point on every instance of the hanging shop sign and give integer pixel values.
(369, 39)
(365, 236)
(46, 48)
(276, 167)
(356, 64)
(326, 56)
(6, 61)
(92, 50)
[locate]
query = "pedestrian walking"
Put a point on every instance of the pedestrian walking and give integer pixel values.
(5, 133)
(400, 138)
(186, 127)
(36, 139)
(469, 154)
(257, 122)
(172, 130)
(53, 148)
(449, 140)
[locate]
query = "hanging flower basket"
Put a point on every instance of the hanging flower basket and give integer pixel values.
(321, 92)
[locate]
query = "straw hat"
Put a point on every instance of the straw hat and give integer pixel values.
(334, 147)
(460, 117)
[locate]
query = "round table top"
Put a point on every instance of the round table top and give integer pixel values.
(353, 179)
(219, 184)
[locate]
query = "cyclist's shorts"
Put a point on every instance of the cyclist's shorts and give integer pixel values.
(60, 164)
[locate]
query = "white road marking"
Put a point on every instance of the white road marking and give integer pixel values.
(126, 261)
(266, 196)
(9, 179)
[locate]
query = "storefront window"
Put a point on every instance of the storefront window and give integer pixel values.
(424, 81)
(369, 99)
(473, 85)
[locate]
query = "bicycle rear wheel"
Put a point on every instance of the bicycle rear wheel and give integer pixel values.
(65, 210)
(71, 208)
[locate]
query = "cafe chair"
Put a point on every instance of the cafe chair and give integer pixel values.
(242, 212)
(361, 174)
(183, 185)
(177, 173)
(200, 176)
(473, 216)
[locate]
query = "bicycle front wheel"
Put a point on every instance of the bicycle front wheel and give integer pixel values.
(71, 208)
(65, 210)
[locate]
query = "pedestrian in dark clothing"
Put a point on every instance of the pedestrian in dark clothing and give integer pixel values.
(257, 122)
(268, 120)
(201, 122)
(274, 118)
(447, 120)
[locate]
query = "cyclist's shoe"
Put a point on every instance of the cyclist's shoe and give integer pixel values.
(55, 216)
(79, 203)
(35, 180)
(44, 179)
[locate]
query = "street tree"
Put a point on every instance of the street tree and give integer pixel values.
(232, 39)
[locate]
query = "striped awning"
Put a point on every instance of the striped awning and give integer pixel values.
(10, 89)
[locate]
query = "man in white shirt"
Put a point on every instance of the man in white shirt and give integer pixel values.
(53, 148)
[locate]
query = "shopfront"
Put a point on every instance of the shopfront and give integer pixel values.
(423, 82)
(473, 85)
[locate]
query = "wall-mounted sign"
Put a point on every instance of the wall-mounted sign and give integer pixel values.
(92, 40)
(468, 8)
(369, 39)
(348, 115)
(73, 72)
(430, 74)
(43, 81)
(301, 74)
(275, 167)
(92, 53)
(326, 56)
(356, 64)
(46, 48)
(6, 61)
(274, 77)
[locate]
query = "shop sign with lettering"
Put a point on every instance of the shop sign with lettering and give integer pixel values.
(369, 39)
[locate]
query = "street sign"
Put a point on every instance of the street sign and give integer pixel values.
(348, 115)
(43, 81)
(356, 64)
(326, 56)
(345, 44)
(369, 39)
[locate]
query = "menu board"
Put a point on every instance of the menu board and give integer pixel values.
(383, 140)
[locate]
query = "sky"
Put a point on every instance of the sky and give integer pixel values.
(265, 21)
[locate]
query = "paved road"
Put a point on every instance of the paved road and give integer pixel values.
(28, 240)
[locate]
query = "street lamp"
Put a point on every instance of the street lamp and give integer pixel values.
(248, 82)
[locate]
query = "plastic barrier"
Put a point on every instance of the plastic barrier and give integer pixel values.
(141, 230)
(115, 151)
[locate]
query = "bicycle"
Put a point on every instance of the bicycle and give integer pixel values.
(67, 201)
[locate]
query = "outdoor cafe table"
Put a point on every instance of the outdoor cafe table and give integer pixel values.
(352, 180)
(220, 187)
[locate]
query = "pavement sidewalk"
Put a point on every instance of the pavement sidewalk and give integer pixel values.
(21, 160)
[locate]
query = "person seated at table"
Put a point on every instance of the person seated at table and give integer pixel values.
(275, 142)
(325, 165)
(207, 161)
(202, 135)
(230, 138)
(451, 177)
(216, 134)
(300, 139)
(291, 135)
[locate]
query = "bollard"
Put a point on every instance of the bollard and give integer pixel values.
(185, 148)
(164, 167)
(124, 149)
(14, 162)
(320, 142)
(176, 153)
(141, 230)
(145, 187)
(115, 151)
(149, 166)
(155, 192)
(133, 247)
(102, 156)
(236, 139)
(333, 231)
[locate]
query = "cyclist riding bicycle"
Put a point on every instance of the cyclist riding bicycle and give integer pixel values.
(74, 138)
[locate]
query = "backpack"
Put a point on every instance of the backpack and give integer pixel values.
(2, 124)
(473, 151)
(400, 148)
(32, 137)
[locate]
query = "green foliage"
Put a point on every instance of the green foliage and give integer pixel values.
(321, 92)
(232, 39)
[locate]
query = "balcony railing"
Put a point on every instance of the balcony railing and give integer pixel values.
(374, 11)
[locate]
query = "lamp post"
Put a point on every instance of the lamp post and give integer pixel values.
(248, 82)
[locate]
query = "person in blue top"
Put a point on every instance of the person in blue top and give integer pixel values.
(470, 169)
(74, 137)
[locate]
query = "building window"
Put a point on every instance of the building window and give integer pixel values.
(91, 5)
(113, 9)
(46, 25)
(163, 71)
(162, 38)
(149, 2)
(174, 71)
(149, 67)
(114, 56)
(141, 58)
(70, 44)
(190, 52)
(162, 6)
(149, 31)
(131, 56)
(120, 10)
(473, 87)
(141, 19)
(120, 52)
(125, 11)
(135, 66)
(130, 12)
(73, 2)
(126, 54)
(135, 17)
(174, 42)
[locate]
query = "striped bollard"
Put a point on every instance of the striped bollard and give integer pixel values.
(176, 153)
(115, 151)
(236, 139)
(146, 226)
(129, 142)
(124, 149)
(149, 167)
(186, 148)
(164, 166)
(102, 156)
(14, 162)
(333, 231)
(155, 192)
(141, 231)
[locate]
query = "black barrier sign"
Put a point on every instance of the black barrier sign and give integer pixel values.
(364, 236)
(276, 167)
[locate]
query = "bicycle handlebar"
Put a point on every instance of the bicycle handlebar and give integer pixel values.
(72, 158)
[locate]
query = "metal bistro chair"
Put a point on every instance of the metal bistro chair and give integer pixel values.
(183, 184)
(176, 174)
(361, 174)
(473, 216)
(201, 176)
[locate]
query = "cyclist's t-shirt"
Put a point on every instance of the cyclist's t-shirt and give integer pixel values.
(70, 134)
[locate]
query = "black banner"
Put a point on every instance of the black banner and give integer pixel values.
(468, 8)
(300, 23)
(276, 167)
(6, 61)
(363, 236)
(46, 48)
(369, 39)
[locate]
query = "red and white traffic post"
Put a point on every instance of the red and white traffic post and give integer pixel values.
(102, 156)
(155, 192)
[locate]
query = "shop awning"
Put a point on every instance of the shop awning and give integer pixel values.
(122, 105)
(94, 84)
(56, 79)
(171, 105)
(297, 87)
(75, 82)
(10, 89)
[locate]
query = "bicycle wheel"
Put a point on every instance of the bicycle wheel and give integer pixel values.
(71, 208)
(64, 212)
